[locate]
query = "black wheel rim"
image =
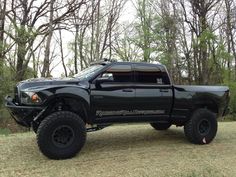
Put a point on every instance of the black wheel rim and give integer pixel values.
(63, 136)
(204, 127)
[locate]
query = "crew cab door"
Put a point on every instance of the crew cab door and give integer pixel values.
(112, 92)
(153, 92)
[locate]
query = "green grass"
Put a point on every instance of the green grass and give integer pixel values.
(126, 151)
(4, 131)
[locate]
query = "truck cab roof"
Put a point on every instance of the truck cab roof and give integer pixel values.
(112, 61)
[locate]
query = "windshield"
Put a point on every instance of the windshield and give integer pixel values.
(88, 72)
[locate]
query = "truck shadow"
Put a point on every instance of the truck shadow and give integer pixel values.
(140, 138)
(115, 140)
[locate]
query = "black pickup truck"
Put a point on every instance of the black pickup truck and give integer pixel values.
(62, 111)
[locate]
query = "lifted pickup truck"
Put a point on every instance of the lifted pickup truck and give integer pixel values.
(109, 92)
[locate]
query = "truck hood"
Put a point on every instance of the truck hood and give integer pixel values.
(38, 83)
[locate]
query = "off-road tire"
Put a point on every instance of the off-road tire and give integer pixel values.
(68, 127)
(161, 126)
(193, 131)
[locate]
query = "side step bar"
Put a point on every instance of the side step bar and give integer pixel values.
(97, 127)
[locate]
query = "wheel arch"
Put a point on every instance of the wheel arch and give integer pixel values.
(210, 105)
(67, 102)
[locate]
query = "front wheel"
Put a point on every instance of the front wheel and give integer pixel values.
(61, 135)
(202, 127)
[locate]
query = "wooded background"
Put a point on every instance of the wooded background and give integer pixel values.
(195, 39)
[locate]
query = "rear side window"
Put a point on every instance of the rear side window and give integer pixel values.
(119, 73)
(150, 75)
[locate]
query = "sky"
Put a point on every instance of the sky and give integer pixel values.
(127, 16)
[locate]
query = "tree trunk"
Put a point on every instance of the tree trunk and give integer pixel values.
(146, 33)
(228, 29)
(97, 36)
(2, 25)
(46, 63)
(62, 53)
(203, 49)
(92, 33)
(76, 48)
(21, 53)
(81, 45)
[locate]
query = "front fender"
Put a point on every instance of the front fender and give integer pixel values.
(72, 92)
(73, 96)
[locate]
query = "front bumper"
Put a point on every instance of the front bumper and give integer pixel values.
(23, 115)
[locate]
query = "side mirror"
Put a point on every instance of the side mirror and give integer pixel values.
(101, 80)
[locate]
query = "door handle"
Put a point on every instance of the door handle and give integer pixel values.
(127, 90)
(164, 90)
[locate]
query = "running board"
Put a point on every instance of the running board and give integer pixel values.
(98, 127)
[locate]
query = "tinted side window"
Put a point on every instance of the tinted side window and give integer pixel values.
(119, 73)
(151, 75)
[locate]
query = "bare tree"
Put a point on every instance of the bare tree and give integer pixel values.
(62, 53)
(114, 10)
(82, 21)
(229, 4)
(24, 15)
(45, 72)
(202, 29)
(123, 45)
(144, 15)
(94, 27)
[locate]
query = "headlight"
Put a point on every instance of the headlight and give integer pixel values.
(30, 98)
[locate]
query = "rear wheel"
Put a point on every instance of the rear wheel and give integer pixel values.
(202, 127)
(161, 126)
(61, 135)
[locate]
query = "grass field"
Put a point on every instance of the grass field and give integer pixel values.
(126, 151)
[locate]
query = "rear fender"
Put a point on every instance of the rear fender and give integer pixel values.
(207, 103)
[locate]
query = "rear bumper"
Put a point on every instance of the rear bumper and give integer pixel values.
(23, 115)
